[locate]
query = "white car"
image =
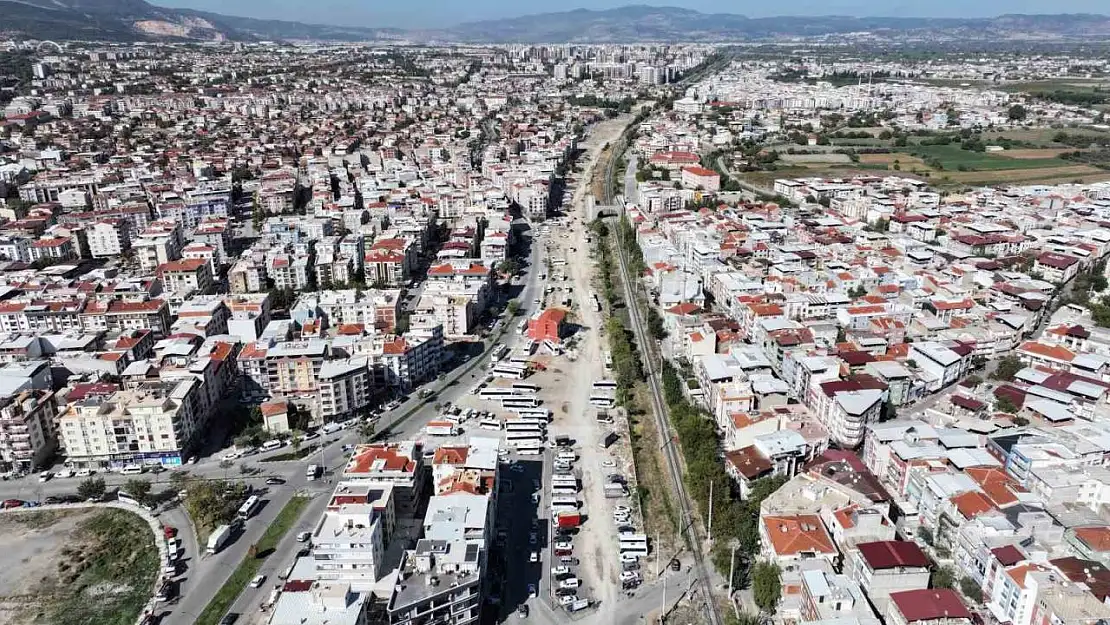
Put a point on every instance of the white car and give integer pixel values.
(84, 472)
(65, 473)
(567, 599)
(570, 583)
(627, 576)
(628, 557)
(608, 464)
(534, 556)
(231, 455)
(566, 545)
(622, 510)
(258, 581)
(45, 476)
(560, 570)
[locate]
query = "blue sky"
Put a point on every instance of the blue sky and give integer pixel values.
(438, 13)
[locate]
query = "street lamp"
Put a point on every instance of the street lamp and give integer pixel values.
(734, 544)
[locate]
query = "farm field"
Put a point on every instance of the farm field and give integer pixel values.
(953, 158)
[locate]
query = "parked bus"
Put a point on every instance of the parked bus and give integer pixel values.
(509, 403)
(639, 550)
(559, 480)
(529, 348)
(534, 419)
(569, 500)
(529, 450)
(498, 353)
(556, 510)
(524, 438)
(522, 361)
(249, 507)
(560, 490)
(633, 542)
(525, 388)
(509, 372)
(495, 392)
(523, 327)
(517, 425)
(606, 384)
(533, 413)
(490, 424)
(604, 399)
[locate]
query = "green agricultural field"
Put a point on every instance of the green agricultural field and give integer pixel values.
(952, 158)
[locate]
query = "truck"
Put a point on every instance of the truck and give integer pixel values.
(568, 520)
(614, 490)
(440, 428)
(312, 472)
(218, 539)
(610, 438)
(581, 604)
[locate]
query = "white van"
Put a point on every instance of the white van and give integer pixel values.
(312, 472)
(132, 469)
(272, 444)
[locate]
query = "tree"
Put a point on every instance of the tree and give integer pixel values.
(91, 488)
(943, 577)
(509, 266)
(971, 590)
(1016, 113)
(1007, 368)
(973, 381)
(925, 534)
(1005, 404)
(766, 586)
(139, 490)
(366, 432)
(512, 308)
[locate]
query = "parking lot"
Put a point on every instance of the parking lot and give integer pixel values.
(576, 562)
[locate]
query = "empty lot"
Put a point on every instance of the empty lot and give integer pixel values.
(87, 566)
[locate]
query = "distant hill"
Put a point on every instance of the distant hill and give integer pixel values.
(135, 20)
(646, 23)
(131, 20)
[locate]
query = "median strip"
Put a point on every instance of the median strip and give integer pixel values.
(248, 568)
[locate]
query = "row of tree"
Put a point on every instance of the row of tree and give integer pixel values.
(735, 520)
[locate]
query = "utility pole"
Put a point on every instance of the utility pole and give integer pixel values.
(709, 529)
(732, 576)
(663, 604)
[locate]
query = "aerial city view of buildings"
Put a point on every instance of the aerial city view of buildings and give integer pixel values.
(613, 333)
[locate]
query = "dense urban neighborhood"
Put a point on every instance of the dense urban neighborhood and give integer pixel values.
(358, 334)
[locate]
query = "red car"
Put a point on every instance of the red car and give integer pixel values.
(169, 531)
(12, 503)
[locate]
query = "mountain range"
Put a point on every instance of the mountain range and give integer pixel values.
(138, 20)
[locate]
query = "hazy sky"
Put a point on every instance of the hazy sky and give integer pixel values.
(438, 13)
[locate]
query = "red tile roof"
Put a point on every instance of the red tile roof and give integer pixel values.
(889, 554)
(929, 604)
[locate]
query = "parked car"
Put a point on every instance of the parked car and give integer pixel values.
(571, 582)
(567, 599)
(258, 581)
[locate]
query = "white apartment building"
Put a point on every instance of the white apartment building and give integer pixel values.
(344, 387)
(442, 578)
(155, 422)
(27, 438)
(108, 238)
